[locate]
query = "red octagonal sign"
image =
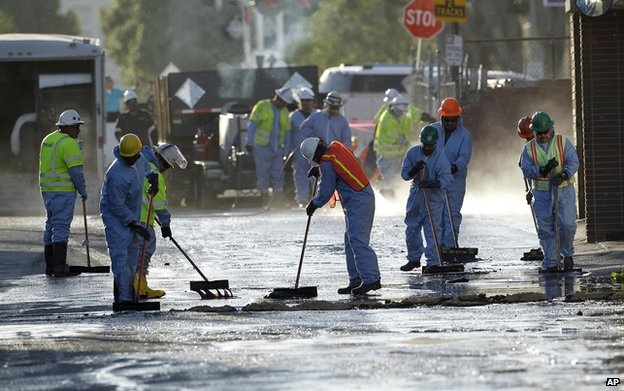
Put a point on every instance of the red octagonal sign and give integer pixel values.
(419, 19)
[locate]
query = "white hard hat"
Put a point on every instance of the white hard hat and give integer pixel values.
(308, 148)
(285, 94)
(398, 100)
(390, 94)
(129, 95)
(333, 99)
(305, 93)
(68, 118)
(172, 155)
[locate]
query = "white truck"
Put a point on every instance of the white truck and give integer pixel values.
(41, 75)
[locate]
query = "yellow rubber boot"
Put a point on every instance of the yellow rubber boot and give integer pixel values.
(145, 292)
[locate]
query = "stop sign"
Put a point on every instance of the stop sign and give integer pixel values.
(419, 19)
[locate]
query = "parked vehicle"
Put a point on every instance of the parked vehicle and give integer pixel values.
(362, 87)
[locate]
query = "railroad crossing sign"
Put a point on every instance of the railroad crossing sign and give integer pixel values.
(419, 19)
(450, 10)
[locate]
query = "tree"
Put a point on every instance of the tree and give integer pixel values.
(354, 31)
(36, 16)
(143, 36)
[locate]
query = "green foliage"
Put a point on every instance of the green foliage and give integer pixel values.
(144, 36)
(36, 16)
(6, 23)
(356, 32)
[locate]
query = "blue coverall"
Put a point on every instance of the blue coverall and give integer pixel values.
(416, 214)
(120, 205)
(300, 165)
(458, 151)
(327, 128)
(544, 203)
(359, 211)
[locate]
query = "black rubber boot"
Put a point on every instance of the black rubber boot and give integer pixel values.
(48, 252)
(60, 261)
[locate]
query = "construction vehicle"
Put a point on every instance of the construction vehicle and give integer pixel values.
(42, 75)
(206, 113)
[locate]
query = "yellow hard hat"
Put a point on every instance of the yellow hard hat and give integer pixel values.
(129, 145)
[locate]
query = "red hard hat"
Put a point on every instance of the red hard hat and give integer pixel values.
(524, 131)
(449, 108)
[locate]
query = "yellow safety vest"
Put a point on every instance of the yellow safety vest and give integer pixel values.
(160, 199)
(541, 158)
(59, 152)
(262, 115)
(389, 131)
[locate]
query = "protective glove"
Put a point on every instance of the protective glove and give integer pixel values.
(314, 172)
(152, 179)
(552, 163)
(529, 197)
(416, 169)
(453, 169)
(84, 196)
(430, 184)
(141, 230)
(311, 208)
(558, 179)
(249, 148)
(166, 231)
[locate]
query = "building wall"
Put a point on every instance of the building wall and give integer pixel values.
(598, 105)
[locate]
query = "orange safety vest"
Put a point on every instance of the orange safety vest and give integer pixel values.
(541, 158)
(346, 165)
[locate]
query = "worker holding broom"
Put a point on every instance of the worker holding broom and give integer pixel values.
(550, 161)
(456, 142)
(428, 168)
(340, 171)
(159, 159)
(120, 208)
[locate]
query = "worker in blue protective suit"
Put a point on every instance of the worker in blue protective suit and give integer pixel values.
(550, 161)
(328, 124)
(159, 159)
(428, 168)
(120, 208)
(456, 141)
(300, 165)
(340, 171)
(268, 139)
(60, 175)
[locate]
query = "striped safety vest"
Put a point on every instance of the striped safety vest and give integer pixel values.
(345, 165)
(59, 152)
(541, 158)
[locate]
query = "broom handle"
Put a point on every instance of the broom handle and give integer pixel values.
(305, 240)
(84, 215)
(149, 215)
(450, 212)
(184, 253)
(435, 237)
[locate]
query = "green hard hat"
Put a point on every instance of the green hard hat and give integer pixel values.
(429, 135)
(541, 122)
